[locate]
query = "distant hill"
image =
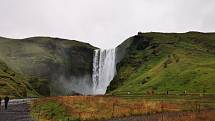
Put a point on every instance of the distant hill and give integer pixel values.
(44, 66)
(166, 61)
(158, 62)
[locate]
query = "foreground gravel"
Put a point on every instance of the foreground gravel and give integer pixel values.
(18, 110)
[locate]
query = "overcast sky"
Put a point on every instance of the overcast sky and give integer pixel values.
(103, 23)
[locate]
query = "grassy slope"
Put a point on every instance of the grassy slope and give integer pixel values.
(35, 51)
(50, 110)
(14, 84)
(97, 108)
(36, 58)
(174, 62)
(89, 107)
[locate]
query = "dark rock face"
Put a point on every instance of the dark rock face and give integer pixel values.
(123, 52)
(59, 66)
(136, 42)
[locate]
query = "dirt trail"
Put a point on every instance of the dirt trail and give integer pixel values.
(18, 110)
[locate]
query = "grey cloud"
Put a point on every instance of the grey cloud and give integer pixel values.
(103, 23)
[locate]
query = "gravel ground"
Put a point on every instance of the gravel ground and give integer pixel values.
(17, 111)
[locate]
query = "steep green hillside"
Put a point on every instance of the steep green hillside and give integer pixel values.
(53, 65)
(14, 84)
(166, 61)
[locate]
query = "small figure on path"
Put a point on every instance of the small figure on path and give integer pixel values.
(6, 100)
(0, 103)
(185, 92)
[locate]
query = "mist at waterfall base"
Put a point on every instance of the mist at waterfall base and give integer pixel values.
(103, 72)
(72, 86)
(104, 69)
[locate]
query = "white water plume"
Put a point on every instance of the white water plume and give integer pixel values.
(104, 69)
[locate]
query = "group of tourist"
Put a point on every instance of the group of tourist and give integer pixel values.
(6, 100)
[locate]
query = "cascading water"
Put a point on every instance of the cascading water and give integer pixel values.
(104, 69)
(95, 76)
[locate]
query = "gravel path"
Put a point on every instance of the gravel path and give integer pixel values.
(18, 110)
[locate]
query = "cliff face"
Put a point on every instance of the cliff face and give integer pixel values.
(165, 61)
(53, 66)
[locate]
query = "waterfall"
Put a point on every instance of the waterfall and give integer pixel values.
(104, 69)
(95, 76)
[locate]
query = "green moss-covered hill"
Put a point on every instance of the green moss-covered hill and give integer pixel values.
(42, 65)
(166, 61)
(14, 84)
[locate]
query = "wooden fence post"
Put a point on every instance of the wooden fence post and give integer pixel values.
(113, 108)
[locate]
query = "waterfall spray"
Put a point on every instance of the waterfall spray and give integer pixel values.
(104, 69)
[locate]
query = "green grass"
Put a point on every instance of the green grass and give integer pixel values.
(50, 110)
(179, 62)
(42, 60)
(14, 84)
(107, 107)
(153, 62)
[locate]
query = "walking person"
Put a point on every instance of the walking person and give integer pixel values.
(0, 103)
(6, 100)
